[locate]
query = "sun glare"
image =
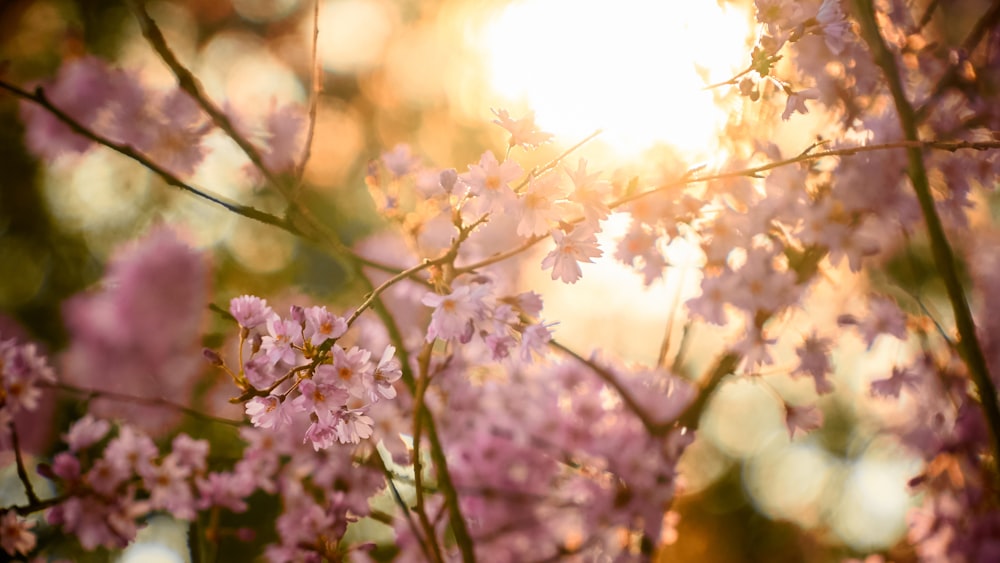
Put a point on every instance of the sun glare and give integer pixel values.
(629, 67)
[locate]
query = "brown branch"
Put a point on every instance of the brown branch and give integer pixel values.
(188, 82)
(22, 471)
(38, 97)
(423, 379)
(944, 259)
(314, 93)
(753, 172)
(152, 401)
(988, 20)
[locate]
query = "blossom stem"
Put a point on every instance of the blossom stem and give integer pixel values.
(445, 483)
(22, 471)
(314, 92)
(390, 480)
(940, 248)
(423, 361)
(653, 427)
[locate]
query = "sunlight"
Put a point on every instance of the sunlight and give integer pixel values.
(628, 67)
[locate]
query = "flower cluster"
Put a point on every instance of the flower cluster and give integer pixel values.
(295, 368)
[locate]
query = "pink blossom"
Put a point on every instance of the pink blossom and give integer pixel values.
(322, 395)
(386, 373)
(131, 451)
(715, 291)
(178, 126)
(538, 207)
(250, 311)
(189, 452)
(534, 340)
(279, 345)
(836, 29)
(81, 89)
(285, 136)
(590, 193)
(804, 419)
(523, 132)
(797, 102)
(490, 182)
(267, 412)
(454, 313)
(321, 434)
(22, 369)
(351, 370)
(169, 487)
(15, 533)
(754, 348)
(579, 245)
(884, 317)
(226, 490)
(814, 360)
(891, 386)
(86, 432)
(353, 426)
(140, 334)
(400, 161)
(322, 325)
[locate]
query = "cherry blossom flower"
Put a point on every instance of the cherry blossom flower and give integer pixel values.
(353, 426)
(590, 193)
(81, 88)
(797, 102)
(814, 360)
(454, 313)
(802, 419)
(322, 325)
(523, 132)
(250, 311)
(321, 395)
(268, 412)
(22, 369)
(400, 161)
(15, 533)
(538, 207)
(279, 345)
(86, 432)
(490, 182)
(579, 245)
(386, 373)
(891, 386)
(833, 22)
(286, 127)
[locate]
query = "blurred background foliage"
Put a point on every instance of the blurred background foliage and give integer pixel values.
(393, 71)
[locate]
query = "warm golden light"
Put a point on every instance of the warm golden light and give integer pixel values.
(628, 67)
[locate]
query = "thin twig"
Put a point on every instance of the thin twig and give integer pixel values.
(752, 172)
(314, 93)
(653, 427)
(398, 498)
(152, 401)
(423, 378)
(555, 161)
(375, 293)
(188, 82)
(22, 471)
(39, 97)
